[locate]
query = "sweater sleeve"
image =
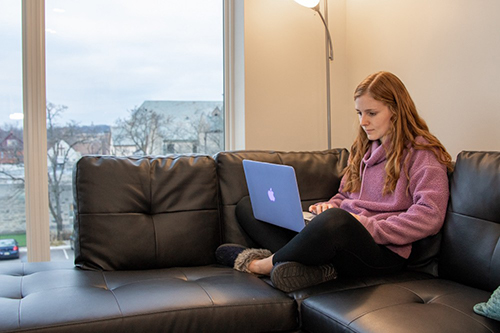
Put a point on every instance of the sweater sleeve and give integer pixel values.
(425, 217)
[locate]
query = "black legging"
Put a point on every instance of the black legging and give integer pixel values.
(335, 236)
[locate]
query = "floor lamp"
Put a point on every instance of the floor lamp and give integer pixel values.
(314, 5)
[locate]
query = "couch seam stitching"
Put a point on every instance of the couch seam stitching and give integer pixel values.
(150, 208)
(152, 279)
(468, 216)
(185, 275)
(22, 296)
(112, 293)
(206, 292)
(35, 329)
(330, 317)
(468, 316)
(442, 304)
(207, 307)
(491, 261)
(76, 209)
(221, 221)
(376, 310)
(149, 214)
(432, 299)
(414, 293)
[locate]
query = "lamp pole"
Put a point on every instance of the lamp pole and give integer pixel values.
(329, 57)
(314, 5)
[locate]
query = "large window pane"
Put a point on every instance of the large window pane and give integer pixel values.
(12, 207)
(129, 78)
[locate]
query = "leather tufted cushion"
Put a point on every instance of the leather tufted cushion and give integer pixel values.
(427, 306)
(56, 297)
(318, 177)
(470, 251)
(145, 213)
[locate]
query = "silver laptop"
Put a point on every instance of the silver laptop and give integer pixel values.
(274, 195)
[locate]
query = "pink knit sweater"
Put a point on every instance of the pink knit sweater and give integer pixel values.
(398, 219)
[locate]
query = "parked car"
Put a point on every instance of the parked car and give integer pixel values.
(9, 248)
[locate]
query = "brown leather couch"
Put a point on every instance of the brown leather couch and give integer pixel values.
(147, 228)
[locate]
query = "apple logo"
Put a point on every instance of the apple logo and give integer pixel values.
(270, 194)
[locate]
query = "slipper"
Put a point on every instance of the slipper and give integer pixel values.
(290, 276)
(238, 256)
(247, 256)
(226, 254)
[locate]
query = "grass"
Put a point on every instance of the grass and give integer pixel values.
(21, 238)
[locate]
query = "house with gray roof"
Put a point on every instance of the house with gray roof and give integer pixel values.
(187, 127)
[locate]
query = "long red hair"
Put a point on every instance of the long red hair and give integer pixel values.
(406, 126)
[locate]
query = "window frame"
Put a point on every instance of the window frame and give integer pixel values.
(34, 108)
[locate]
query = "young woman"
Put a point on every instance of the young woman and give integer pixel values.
(394, 192)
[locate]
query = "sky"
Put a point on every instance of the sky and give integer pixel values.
(105, 57)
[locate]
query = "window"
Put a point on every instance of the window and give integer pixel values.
(114, 67)
(12, 207)
(129, 75)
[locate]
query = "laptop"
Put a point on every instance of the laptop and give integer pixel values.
(274, 195)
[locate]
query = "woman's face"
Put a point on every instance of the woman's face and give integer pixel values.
(374, 117)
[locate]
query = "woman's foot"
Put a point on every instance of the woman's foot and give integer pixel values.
(246, 260)
(226, 254)
(255, 261)
(262, 266)
(290, 276)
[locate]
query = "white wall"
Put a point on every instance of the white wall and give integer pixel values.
(285, 80)
(447, 52)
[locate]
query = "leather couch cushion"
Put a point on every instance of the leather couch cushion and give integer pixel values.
(432, 305)
(145, 213)
(57, 297)
(470, 251)
(318, 177)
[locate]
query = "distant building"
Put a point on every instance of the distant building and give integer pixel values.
(191, 127)
(121, 144)
(93, 139)
(62, 153)
(194, 126)
(11, 149)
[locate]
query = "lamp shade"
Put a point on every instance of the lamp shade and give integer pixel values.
(308, 3)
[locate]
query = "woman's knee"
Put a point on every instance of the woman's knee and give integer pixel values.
(335, 216)
(335, 220)
(244, 208)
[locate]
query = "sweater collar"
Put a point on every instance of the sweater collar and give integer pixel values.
(376, 154)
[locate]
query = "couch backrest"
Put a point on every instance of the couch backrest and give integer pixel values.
(156, 212)
(470, 250)
(318, 177)
(144, 213)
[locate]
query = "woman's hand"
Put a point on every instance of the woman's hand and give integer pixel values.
(318, 209)
(356, 216)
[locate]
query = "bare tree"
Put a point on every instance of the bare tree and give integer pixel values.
(11, 152)
(144, 128)
(215, 133)
(93, 139)
(60, 143)
(11, 177)
(209, 132)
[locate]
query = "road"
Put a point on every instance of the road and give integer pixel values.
(56, 254)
